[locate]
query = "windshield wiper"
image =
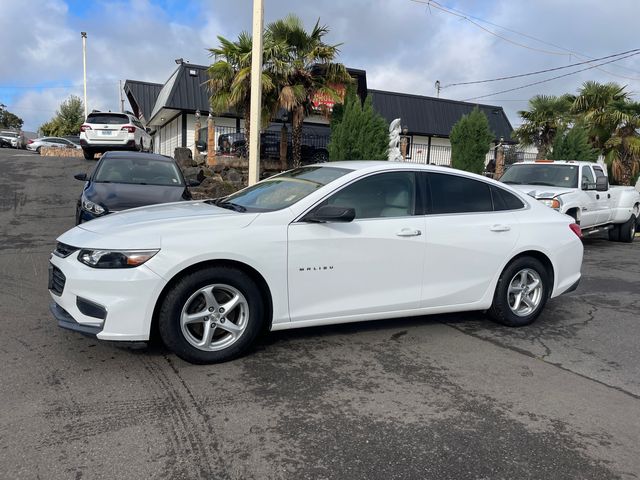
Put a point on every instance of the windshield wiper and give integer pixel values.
(544, 184)
(231, 206)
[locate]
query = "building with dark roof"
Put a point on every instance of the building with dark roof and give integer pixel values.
(169, 109)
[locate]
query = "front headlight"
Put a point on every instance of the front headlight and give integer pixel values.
(551, 202)
(115, 258)
(91, 207)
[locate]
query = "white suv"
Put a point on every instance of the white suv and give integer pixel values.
(104, 131)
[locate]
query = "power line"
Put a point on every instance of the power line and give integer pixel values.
(549, 79)
(541, 71)
(466, 16)
(432, 3)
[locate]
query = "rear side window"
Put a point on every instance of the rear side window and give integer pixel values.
(455, 194)
(107, 118)
(503, 200)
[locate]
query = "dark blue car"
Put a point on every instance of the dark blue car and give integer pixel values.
(123, 180)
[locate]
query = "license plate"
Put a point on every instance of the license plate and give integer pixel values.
(106, 132)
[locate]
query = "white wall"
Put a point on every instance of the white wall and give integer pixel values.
(170, 137)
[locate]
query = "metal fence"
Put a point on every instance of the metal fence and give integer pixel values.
(441, 155)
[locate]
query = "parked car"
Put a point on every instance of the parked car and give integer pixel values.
(581, 190)
(317, 245)
(314, 145)
(123, 180)
(105, 131)
(12, 139)
(50, 142)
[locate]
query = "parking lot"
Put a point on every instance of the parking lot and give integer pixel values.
(443, 397)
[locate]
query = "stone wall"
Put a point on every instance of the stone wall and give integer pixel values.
(61, 152)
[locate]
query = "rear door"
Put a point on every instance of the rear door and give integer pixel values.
(471, 230)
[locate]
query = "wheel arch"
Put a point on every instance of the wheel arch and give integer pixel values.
(542, 258)
(247, 269)
(575, 213)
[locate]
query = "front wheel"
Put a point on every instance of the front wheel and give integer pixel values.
(212, 315)
(521, 293)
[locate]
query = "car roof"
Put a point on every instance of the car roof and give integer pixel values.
(374, 165)
(554, 162)
(142, 155)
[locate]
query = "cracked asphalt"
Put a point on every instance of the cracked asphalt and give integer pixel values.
(440, 397)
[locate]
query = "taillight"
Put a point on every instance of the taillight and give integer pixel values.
(575, 228)
(84, 128)
(129, 128)
(30, 141)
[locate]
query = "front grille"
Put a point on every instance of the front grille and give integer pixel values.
(56, 280)
(63, 250)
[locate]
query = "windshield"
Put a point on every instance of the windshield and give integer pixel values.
(138, 171)
(549, 175)
(281, 191)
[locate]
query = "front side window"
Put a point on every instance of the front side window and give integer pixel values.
(588, 182)
(383, 195)
(456, 194)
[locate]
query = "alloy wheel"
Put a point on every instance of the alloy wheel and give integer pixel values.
(525, 292)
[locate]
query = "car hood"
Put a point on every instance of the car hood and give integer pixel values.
(542, 191)
(144, 227)
(122, 196)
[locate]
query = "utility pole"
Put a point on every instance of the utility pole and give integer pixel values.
(121, 97)
(256, 93)
(84, 69)
(438, 88)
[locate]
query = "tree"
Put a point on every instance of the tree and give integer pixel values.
(359, 133)
(612, 120)
(9, 120)
(471, 139)
(546, 116)
(573, 144)
(303, 66)
(67, 120)
(230, 79)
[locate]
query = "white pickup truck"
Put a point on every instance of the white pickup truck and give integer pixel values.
(581, 190)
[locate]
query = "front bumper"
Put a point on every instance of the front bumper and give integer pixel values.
(124, 298)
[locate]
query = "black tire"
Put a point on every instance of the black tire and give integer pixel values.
(38, 150)
(500, 310)
(614, 233)
(88, 154)
(628, 229)
(178, 298)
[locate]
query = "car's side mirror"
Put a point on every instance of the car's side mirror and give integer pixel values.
(330, 213)
(192, 183)
(80, 176)
(602, 184)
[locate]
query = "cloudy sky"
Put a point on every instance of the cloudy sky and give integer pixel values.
(403, 45)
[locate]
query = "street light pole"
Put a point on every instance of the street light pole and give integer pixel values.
(84, 69)
(256, 93)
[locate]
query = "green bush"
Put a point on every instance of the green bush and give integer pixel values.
(573, 145)
(471, 140)
(358, 132)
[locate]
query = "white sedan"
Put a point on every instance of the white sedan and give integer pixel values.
(324, 244)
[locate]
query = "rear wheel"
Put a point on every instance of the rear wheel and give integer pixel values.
(88, 154)
(212, 315)
(38, 150)
(628, 229)
(521, 293)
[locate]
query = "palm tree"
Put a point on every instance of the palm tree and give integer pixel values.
(547, 115)
(303, 66)
(612, 120)
(230, 79)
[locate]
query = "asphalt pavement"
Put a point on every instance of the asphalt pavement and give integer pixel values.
(440, 397)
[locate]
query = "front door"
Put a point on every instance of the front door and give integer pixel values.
(371, 264)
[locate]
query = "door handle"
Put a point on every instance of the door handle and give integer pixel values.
(597, 197)
(408, 232)
(500, 228)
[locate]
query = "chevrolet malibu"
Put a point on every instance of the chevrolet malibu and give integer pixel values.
(318, 245)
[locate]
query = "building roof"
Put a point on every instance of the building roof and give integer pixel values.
(431, 116)
(142, 96)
